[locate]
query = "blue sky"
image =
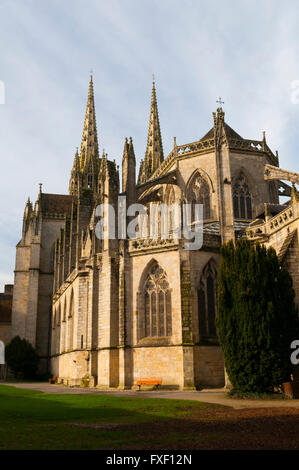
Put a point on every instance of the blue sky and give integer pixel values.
(245, 51)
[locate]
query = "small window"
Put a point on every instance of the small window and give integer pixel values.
(89, 178)
(207, 301)
(242, 199)
(199, 193)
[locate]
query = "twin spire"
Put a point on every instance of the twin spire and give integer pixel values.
(154, 151)
(89, 145)
(86, 164)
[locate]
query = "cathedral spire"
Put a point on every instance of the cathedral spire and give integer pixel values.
(154, 150)
(85, 169)
(89, 146)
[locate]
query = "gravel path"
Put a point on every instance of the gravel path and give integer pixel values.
(217, 396)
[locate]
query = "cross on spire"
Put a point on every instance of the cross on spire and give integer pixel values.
(220, 101)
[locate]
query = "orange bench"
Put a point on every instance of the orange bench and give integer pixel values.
(156, 381)
(53, 380)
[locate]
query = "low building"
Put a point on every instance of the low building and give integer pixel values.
(5, 313)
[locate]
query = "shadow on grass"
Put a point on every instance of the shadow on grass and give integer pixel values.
(35, 420)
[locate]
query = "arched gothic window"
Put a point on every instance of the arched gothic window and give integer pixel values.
(74, 184)
(71, 310)
(64, 310)
(53, 318)
(155, 304)
(199, 193)
(242, 198)
(55, 331)
(207, 295)
(63, 327)
(71, 322)
(171, 214)
(58, 315)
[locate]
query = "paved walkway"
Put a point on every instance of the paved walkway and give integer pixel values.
(217, 396)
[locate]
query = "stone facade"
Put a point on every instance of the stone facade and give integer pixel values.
(106, 312)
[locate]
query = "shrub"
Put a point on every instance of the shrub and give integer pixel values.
(21, 358)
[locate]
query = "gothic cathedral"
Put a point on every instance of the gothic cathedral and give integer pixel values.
(106, 312)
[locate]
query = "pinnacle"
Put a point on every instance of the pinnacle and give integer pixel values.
(131, 150)
(126, 149)
(154, 150)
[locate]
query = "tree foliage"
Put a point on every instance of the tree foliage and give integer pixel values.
(21, 358)
(257, 319)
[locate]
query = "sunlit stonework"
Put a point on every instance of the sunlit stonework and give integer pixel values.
(107, 312)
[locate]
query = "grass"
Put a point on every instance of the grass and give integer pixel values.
(36, 420)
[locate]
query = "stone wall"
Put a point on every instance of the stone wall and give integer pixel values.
(165, 362)
(209, 367)
(5, 332)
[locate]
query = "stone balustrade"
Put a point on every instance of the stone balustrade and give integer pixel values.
(149, 244)
(271, 225)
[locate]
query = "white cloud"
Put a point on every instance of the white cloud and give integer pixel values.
(243, 51)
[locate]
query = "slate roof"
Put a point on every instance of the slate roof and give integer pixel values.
(56, 203)
(214, 227)
(230, 133)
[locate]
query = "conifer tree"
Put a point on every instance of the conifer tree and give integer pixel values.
(257, 318)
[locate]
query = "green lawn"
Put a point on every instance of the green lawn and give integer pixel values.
(36, 420)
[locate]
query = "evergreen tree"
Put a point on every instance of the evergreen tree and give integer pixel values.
(21, 358)
(257, 319)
